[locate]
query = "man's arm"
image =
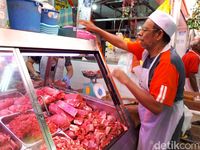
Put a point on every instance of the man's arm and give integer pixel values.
(30, 67)
(70, 71)
(193, 82)
(145, 98)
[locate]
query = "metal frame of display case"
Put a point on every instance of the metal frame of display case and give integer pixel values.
(29, 87)
(28, 42)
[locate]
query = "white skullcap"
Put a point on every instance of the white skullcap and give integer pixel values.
(164, 21)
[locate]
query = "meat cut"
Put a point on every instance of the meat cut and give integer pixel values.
(7, 143)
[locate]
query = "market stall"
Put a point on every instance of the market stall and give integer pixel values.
(75, 118)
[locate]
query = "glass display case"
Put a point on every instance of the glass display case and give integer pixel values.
(51, 112)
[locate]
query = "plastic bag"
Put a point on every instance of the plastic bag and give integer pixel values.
(125, 62)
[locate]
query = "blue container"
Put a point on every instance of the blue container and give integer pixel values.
(49, 17)
(24, 14)
(49, 29)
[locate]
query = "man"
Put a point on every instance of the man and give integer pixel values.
(30, 66)
(191, 62)
(161, 79)
(39, 60)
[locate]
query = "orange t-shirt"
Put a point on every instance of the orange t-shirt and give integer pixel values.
(166, 78)
(136, 48)
(191, 62)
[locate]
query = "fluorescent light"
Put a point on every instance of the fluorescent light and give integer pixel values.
(139, 27)
(49, 54)
(94, 6)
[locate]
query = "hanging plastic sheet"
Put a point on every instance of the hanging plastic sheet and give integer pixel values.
(66, 17)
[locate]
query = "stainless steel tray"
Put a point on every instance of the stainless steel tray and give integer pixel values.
(6, 119)
(10, 94)
(25, 145)
(5, 130)
(18, 106)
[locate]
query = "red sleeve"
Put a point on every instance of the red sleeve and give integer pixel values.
(163, 86)
(191, 63)
(135, 48)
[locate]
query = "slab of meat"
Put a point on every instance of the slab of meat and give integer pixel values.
(6, 143)
(20, 108)
(50, 91)
(6, 103)
(5, 112)
(54, 109)
(47, 99)
(39, 92)
(60, 120)
(82, 113)
(21, 100)
(74, 100)
(60, 96)
(67, 108)
(13, 105)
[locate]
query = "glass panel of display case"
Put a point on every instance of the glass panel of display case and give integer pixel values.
(9, 72)
(19, 123)
(81, 107)
(86, 77)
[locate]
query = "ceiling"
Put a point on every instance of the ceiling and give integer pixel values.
(117, 15)
(120, 8)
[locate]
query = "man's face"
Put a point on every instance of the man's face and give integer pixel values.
(147, 34)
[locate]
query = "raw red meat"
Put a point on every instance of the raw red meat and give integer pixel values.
(102, 114)
(78, 121)
(74, 100)
(64, 143)
(60, 96)
(50, 91)
(5, 112)
(69, 117)
(111, 118)
(82, 112)
(89, 128)
(60, 120)
(74, 97)
(92, 145)
(71, 134)
(74, 128)
(39, 92)
(19, 108)
(47, 99)
(21, 100)
(99, 135)
(67, 108)
(6, 143)
(6, 103)
(27, 125)
(54, 109)
(87, 108)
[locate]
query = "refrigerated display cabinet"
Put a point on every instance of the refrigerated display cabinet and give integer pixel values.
(38, 114)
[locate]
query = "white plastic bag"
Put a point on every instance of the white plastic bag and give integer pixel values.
(187, 119)
(125, 62)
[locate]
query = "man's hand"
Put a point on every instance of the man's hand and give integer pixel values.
(89, 25)
(67, 81)
(120, 75)
(36, 76)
